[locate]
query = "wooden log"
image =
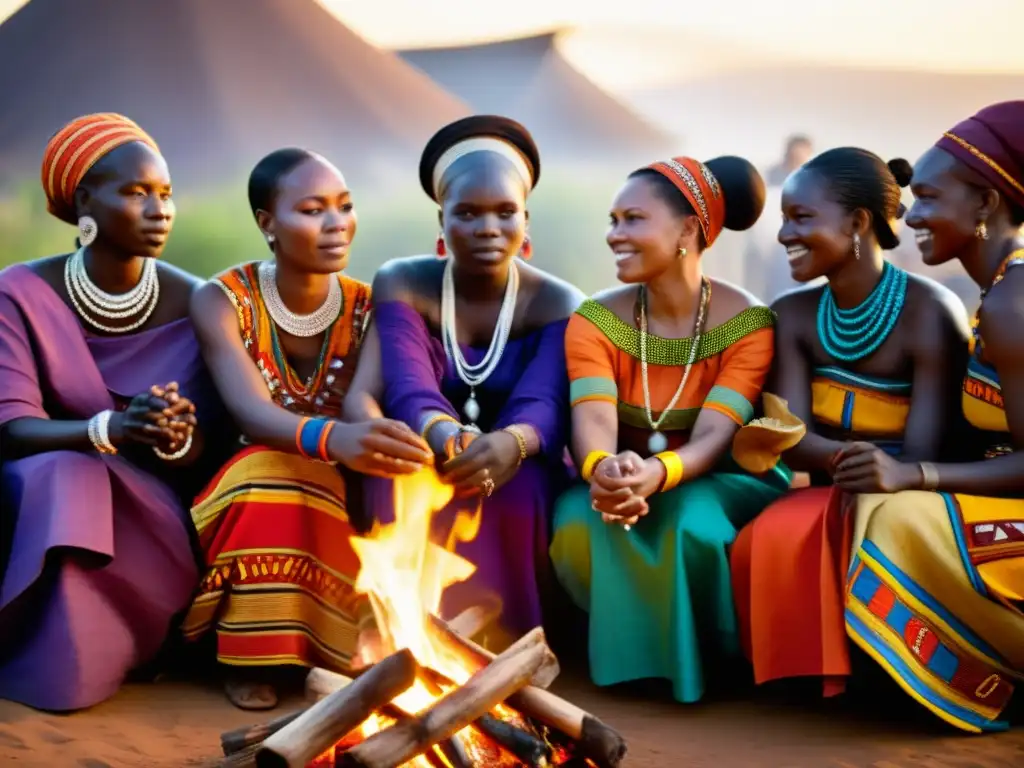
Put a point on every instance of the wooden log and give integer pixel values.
(509, 672)
(598, 741)
(475, 620)
(243, 758)
(329, 720)
(249, 735)
(533, 752)
(475, 657)
(323, 682)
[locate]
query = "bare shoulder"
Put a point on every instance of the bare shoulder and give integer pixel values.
(551, 298)
(619, 299)
(728, 300)
(797, 304)
(1002, 316)
(407, 279)
(934, 305)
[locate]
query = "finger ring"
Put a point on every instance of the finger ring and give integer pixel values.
(488, 486)
(626, 526)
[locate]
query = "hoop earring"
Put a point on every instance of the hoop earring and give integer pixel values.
(87, 231)
(527, 250)
(439, 247)
(856, 245)
(981, 231)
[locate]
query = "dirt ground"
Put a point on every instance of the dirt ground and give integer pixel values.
(175, 724)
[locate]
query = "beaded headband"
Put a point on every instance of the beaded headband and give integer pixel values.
(700, 187)
(481, 144)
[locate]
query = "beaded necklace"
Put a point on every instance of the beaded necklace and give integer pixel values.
(853, 334)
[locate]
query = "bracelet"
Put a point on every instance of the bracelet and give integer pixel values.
(308, 436)
(520, 436)
(178, 454)
(929, 476)
(433, 421)
(99, 433)
(321, 446)
(590, 464)
(673, 469)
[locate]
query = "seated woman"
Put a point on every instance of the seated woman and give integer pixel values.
(101, 381)
(662, 376)
(472, 344)
(849, 354)
(937, 579)
(281, 338)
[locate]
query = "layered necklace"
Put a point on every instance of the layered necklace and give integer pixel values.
(475, 375)
(313, 324)
(657, 442)
(92, 302)
(853, 334)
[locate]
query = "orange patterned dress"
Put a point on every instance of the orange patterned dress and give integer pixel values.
(274, 526)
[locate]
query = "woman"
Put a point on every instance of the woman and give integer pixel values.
(937, 577)
(281, 338)
(100, 383)
(662, 377)
(480, 337)
(849, 354)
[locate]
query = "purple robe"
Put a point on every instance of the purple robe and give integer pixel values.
(529, 386)
(101, 558)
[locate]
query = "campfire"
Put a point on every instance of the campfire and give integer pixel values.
(434, 698)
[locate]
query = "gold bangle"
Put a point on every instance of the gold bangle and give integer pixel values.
(433, 421)
(673, 469)
(520, 436)
(590, 463)
(929, 476)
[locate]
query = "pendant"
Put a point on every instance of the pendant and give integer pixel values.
(471, 408)
(657, 442)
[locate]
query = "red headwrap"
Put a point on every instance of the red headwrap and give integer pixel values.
(700, 187)
(76, 148)
(992, 144)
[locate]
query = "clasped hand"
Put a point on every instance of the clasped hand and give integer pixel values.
(483, 464)
(864, 468)
(161, 418)
(621, 484)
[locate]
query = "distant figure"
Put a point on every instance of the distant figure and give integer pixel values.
(798, 152)
(664, 371)
(101, 383)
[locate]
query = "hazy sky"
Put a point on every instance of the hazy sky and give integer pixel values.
(641, 42)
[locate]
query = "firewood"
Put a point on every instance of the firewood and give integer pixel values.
(599, 742)
(475, 657)
(250, 735)
(533, 752)
(509, 672)
(323, 682)
(243, 758)
(329, 720)
(475, 620)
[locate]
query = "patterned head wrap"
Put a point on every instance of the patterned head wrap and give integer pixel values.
(479, 133)
(992, 144)
(76, 148)
(701, 189)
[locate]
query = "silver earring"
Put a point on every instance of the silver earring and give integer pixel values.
(682, 252)
(270, 240)
(87, 230)
(856, 245)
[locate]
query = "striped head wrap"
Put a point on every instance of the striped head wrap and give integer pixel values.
(76, 148)
(991, 143)
(701, 189)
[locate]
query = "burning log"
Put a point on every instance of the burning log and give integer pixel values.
(329, 720)
(251, 735)
(472, 621)
(475, 657)
(509, 672)
(322, 682)
(533, 752)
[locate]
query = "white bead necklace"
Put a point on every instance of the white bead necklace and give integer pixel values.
(657, 442)
(91, 302)
(316, 322)
(475, 375)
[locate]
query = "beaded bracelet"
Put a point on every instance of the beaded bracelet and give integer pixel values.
(178, 454)
(673, 469)
(311, 437)
(99, 433)
(520, 436)
(590, 463)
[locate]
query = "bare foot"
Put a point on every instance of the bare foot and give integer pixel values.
(251, 695)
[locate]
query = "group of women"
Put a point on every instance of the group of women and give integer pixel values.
(703, 475)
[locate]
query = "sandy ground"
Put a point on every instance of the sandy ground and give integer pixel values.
(179, 724)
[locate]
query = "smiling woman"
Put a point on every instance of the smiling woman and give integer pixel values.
(471, 355)
(282, 338)
(104, 401)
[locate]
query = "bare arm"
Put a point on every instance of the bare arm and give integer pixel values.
(362, 401)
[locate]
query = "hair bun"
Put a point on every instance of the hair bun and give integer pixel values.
(744, 190)
(901, 170)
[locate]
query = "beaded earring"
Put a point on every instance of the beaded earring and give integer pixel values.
(527, 250)
(981, 231)
(439, 247)
(856, 245)
(87, 231)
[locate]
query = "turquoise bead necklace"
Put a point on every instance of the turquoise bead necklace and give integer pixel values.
(853, 334)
